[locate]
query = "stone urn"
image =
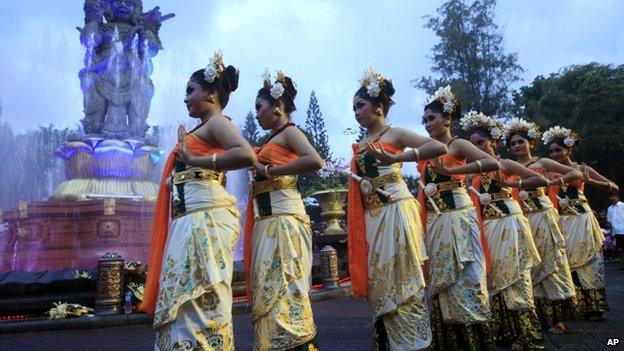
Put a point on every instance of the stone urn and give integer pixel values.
(332, 209)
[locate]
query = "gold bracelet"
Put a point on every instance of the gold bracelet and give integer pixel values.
(214, 164)
(416, 154)
(520, 183)
(480, 165)
(561, 182)
(266, 170)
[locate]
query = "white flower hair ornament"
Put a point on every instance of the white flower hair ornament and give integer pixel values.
(372, 81)
(474, 119)
(215, 67)
(569, 137)
(275, 89)
(446, 98)
(519, 124)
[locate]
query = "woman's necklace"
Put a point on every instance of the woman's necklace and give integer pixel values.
(374, 137)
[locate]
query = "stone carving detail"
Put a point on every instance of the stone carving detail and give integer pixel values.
(120, 42)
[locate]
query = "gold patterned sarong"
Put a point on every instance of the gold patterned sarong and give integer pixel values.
(457, 262)
(194, 304)
(552, 278)
(281, 264)
(396, 253)
(584, 240)
(510, 287)
(513, 255)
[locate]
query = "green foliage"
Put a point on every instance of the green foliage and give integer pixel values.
(470, 56)
(588, 99)
(361, 134)
(250, 130)
(315, 127)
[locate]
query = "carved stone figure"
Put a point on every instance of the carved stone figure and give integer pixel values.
(120, 40)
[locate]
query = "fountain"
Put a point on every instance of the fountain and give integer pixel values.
(106, 203)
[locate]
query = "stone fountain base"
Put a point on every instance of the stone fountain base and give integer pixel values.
(54, 235)
(85, 189)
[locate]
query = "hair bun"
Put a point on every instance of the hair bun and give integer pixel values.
(456, 115)
(387, 88)
(229, 79)
(290, 87)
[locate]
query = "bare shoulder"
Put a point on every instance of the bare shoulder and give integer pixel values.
(459, 143)
(293, 131)
(220, 120)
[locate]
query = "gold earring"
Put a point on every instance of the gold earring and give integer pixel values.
(378, 111)
(276, 111)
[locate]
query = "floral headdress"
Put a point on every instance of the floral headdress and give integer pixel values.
(215, 67)
(372, 81)
(519, 124)
(569, 137)
(446, 98)
(276, 89)
(474, 119)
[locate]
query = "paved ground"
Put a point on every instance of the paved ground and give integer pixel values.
(344, 324)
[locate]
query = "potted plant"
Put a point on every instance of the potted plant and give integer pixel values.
(331, 194)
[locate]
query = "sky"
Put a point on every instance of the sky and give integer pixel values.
(323, 45)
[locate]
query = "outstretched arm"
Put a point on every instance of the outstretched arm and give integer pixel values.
(593, 178)
(527, 179)
(569, 174)
(481, 161)
(422, 148)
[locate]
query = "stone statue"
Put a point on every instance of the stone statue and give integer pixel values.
(120, 40)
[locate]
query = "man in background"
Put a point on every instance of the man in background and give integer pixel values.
(615, 217)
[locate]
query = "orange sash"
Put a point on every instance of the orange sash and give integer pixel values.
(272, 154)
(160, 226)
(356, 228)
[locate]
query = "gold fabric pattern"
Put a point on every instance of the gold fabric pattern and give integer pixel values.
(457, 265)
(281, 267)
(513, 253)
(195, 173)
(396, 253)
(275, 184)
(521, 326)
(552, 278)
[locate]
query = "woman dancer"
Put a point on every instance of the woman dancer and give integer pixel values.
(584, 237)
(189, 281)
(509, 237)
(278, 238)
(553, 288)
(457, 249)
(386, 248)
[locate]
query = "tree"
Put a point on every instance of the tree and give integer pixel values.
(315, 127)
(588, 99)
(470, 56)
(250, 130)
(361, 134)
